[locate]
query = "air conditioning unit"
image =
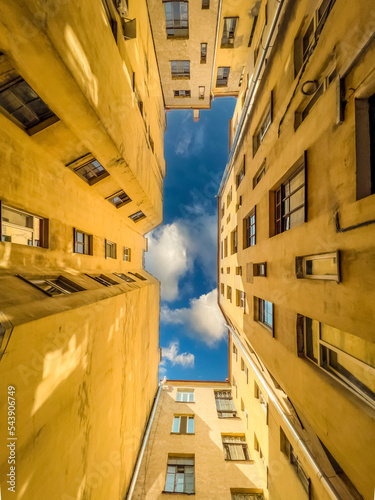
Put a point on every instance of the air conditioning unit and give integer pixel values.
(122, 7)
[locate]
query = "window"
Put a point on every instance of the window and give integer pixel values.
(247, 496)
(224, 404)
(127, 254)
(245, 369)
(260, 174)
(229, 293)
(137, 216)
(303, 46)
(183, 424)
(83, 242)
(256, 443)
(365, 146)
(234, 241)
(124, 277)
(205, 4)
(226, 246)
(290, 201)
(235, 447)
(222, 288)
(182, 93)
(253, 29)
(54, 285)
(324, 266)
(180, 475)
(20, 100)
(235, 352)
(119, 199)
(229, 198)
(203, 53)
(23, 228)
(263, 127)
(262, 400)
(89, 169)
(201, 92)
(185, 395)
(177, 19)
(288, 450)
(346, 357)
(239, 271)
(263, 312)
(241, 299)
(222, 76)
(139, 276)
(103, 279)
(249, 227)
(241, 174)
(239, 204)
(260, 269)
(229, 30)
(316, 89)
(180, 70)
(110, 249)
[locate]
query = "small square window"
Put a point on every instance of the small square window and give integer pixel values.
(124, 277)
(229, 30)
(182, 93)
(139, 276)
(137, 216)
(103, 279)
(88, 169)
(224, 404)
(83, 242)
(119, 199)
(23, 228)
(53, 285)
(110, 250)
(127, 254)
(183, 424)
(180, 70)
(205, 4)
(222, 76)
(203, 53)
(325, 266)
(235, 447)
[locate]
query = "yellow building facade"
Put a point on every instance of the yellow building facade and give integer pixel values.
(82, 121)
(197, 446)
(296, 267)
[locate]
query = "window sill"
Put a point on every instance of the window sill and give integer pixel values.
(239, 461)
(42, 125)
(186, 402)
(177, 77)
(186, 434)
(269, 329)
(176, 493)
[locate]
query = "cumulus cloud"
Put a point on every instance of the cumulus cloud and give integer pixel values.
(203, 318)
(175, 248)
(171, 354)
(167, 258)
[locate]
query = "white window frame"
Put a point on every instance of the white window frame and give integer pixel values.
(181, 393)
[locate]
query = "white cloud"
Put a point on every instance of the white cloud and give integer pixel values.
(171, 354)
(167, 258)
(203, 318)
(173, 250)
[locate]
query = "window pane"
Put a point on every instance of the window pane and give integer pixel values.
(191, 397)
(312, 339)
(176, 424)
(24, 92)
(297, 199)
(297, 218)
(356, 374)
(179, 482)
(357, 347)
(297, 180)
(325, 266)
(9, 101)
(169, 483)
(190, 425)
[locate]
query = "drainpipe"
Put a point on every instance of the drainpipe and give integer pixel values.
(251, 96)
(317, 470)
(216, 42)
(129, 495)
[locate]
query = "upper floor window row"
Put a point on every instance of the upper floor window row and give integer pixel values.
(177, 19)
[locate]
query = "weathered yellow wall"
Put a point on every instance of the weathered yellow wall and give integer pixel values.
(340, 418)
(84, 365)
(85, 379)
(214, 476)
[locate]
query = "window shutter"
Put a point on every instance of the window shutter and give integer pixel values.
(249, 272)
(300, 336)
(183, 425)
(299, 267)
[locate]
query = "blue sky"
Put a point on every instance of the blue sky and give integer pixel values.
(183, 250)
